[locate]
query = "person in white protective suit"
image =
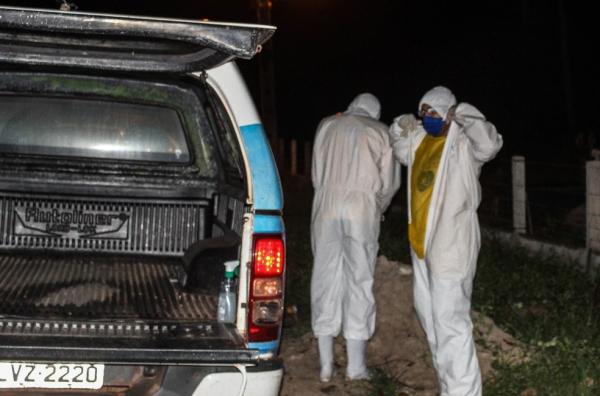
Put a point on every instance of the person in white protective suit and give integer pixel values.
(444, 153)
(355, 176)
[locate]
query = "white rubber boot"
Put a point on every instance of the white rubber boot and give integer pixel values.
(357, 369)
(326, 357)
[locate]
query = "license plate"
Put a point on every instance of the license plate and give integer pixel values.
(51, 375)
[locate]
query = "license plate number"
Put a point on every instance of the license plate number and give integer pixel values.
(51, 375)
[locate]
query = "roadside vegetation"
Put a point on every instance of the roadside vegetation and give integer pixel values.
(553, 309)
(545, 303)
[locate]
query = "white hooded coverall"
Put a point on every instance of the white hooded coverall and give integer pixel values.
(355, 176)
(443, 279)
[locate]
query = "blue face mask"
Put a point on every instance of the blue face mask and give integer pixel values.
(432, 125)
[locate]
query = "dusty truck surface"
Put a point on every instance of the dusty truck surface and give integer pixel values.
(133, 165)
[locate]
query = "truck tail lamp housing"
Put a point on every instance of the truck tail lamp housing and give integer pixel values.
(266, 288)
(268, 256)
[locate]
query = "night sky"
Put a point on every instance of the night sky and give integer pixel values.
(527, 66)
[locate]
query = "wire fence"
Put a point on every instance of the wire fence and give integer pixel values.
(547, 202)
(556, 194)
(495, 209)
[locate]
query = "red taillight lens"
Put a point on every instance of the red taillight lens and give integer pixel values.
(268, 257)
(266, 289)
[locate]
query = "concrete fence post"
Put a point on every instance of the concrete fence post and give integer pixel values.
(519, 195)
(307, 159)
(592, 207)
(294, 157)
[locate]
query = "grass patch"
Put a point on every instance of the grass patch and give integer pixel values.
(553, 309)
(558, 367)
(382, 383)
(534, 298)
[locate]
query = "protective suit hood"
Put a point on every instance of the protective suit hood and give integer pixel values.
(441, 99)
(366, 105)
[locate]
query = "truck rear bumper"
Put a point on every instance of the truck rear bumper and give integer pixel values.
(263, 378)
(258, 381)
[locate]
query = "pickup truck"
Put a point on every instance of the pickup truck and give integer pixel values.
(133, 164)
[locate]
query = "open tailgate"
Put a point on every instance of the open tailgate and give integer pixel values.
(125, 43)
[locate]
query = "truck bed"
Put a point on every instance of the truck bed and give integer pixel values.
(109, 308)
(84, 287)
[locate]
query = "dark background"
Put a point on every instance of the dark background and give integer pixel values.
(528, 66)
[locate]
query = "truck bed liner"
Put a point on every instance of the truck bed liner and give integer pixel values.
(86, 287)
(109, 309)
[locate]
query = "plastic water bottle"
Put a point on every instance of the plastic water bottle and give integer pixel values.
(227, 295)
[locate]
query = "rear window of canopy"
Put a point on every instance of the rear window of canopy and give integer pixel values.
(89, 128)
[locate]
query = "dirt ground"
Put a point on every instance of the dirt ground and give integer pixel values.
(398, 346)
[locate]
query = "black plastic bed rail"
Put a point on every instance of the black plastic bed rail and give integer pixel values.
(84, 224)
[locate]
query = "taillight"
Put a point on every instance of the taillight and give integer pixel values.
(266, 288)
(268, 256)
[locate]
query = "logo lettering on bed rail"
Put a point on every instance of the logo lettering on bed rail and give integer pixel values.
(72, 223)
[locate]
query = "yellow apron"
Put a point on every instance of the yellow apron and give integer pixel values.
(424, 168)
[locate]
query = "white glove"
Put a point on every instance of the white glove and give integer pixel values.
(407, 122)
(456, 117)
(465, 114)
